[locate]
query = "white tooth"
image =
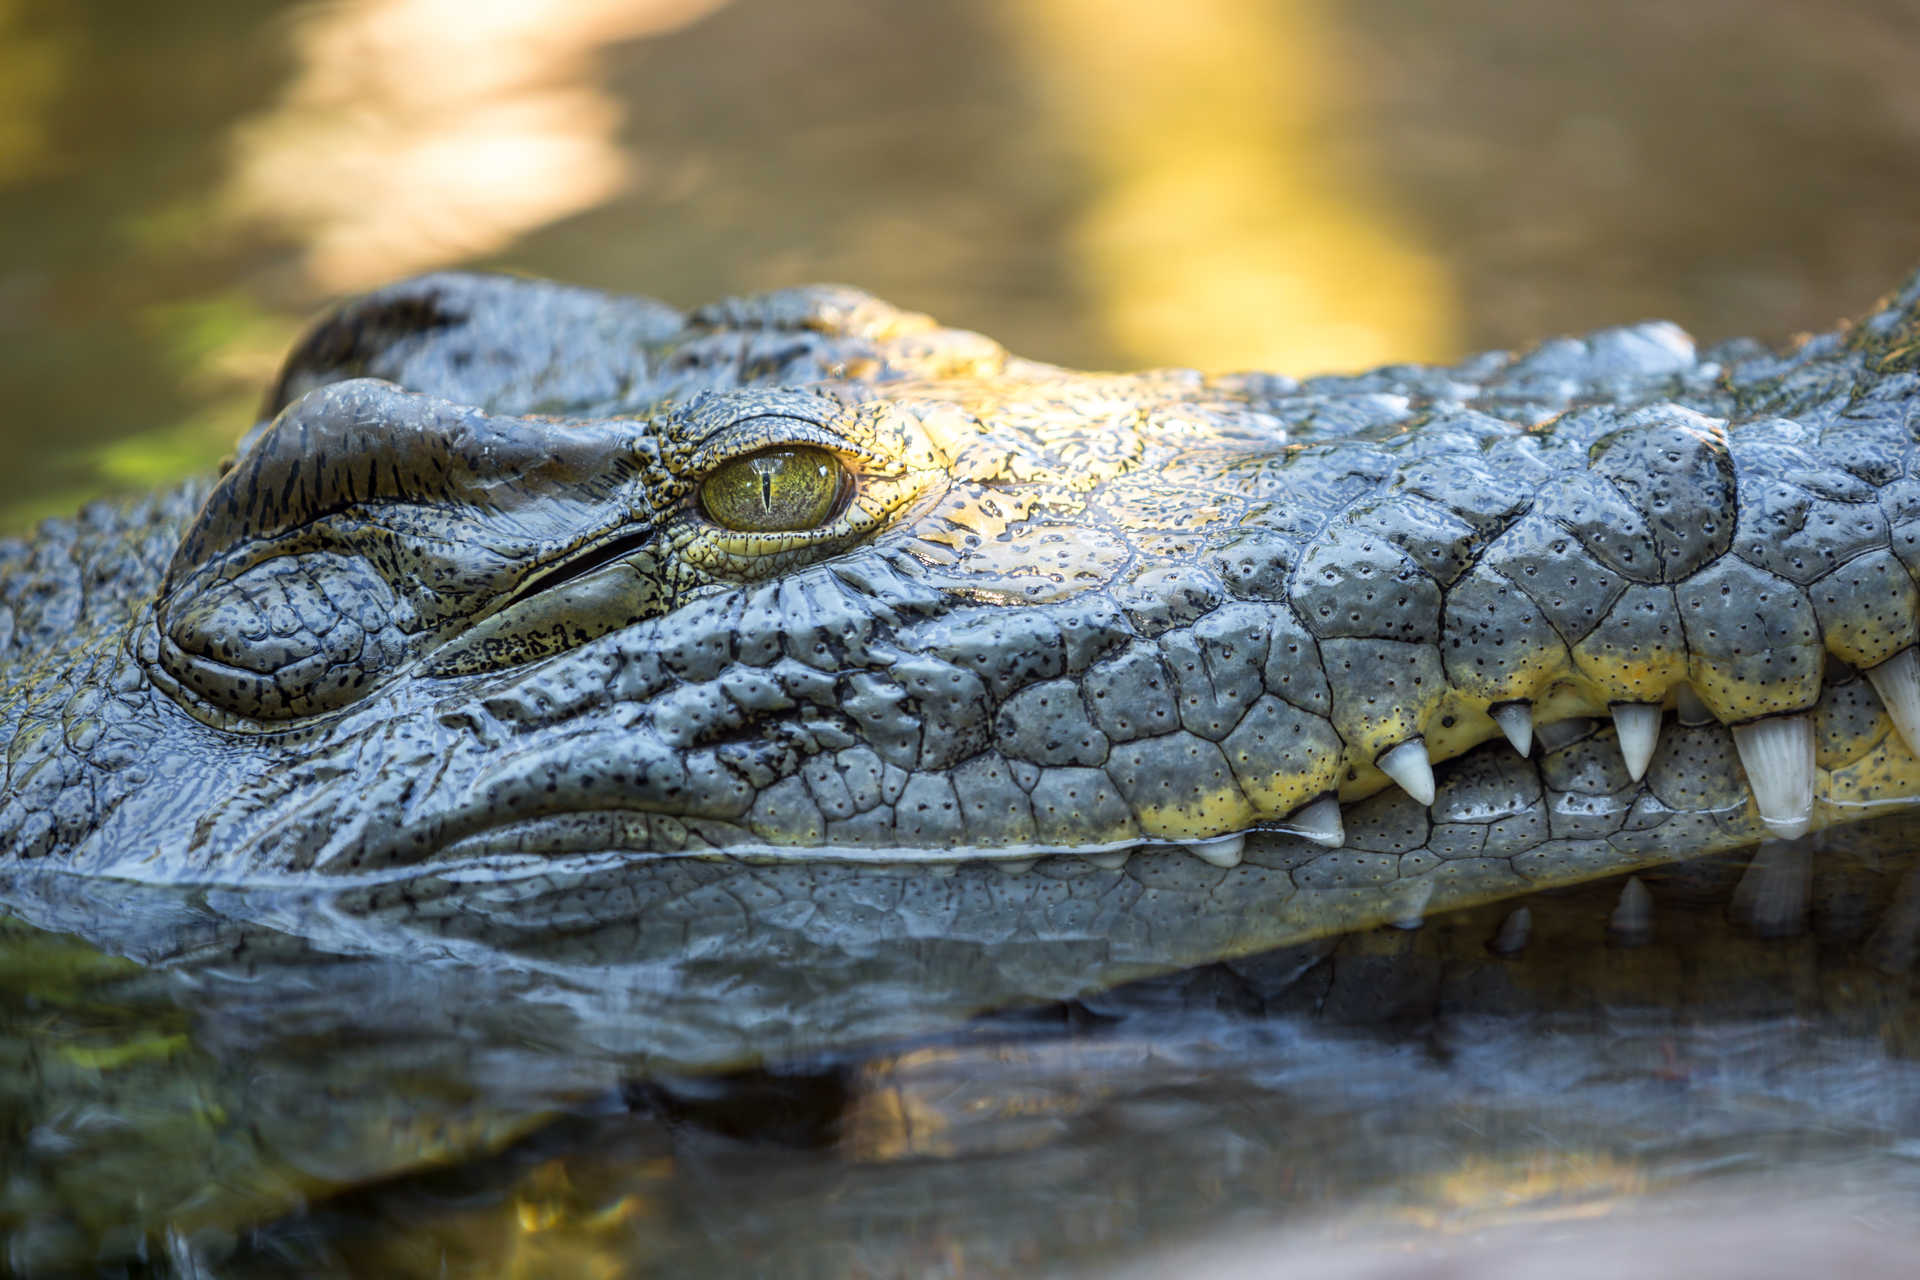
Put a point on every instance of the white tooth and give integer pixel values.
(1514, 932)
(1638, 724)
(1223, 851)
(1412, 905)
(1110, 861)
(1687, 707)
(1013, 866)
(1897, 681)
(1777, 754)
(1771, 898)
(1516, 721)
(1409, 765)
(1319, 822)
(1631, 923)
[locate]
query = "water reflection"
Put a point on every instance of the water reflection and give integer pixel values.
(455, 1088)
(1234, 183)
(1280, 182)
(415, 133)
(1226, 228)
(33, 62)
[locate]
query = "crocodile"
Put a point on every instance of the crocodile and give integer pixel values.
(517, 572)
(824, 675)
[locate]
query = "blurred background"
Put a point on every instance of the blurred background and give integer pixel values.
(1301, 185)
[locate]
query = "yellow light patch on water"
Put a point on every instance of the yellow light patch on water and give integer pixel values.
(223, 346)
(135, 1048)
(221, 343)
(1225, 227)
(164, 454)
(33, 62)
(1539, 1186)
(416, 133)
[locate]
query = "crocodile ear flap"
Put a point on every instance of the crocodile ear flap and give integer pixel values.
(277, 642)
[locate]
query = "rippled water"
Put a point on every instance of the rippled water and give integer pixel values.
(274, 1086)
(1294, 184)
(274, 1083)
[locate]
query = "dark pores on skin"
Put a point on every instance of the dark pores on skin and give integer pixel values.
(497, 558)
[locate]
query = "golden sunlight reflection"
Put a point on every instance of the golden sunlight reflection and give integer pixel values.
(1226, 228)
(1547, 1185)
(416, 133)
(31, 65)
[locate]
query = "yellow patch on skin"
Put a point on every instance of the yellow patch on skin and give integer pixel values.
(109, 1057)
(1278, 794)
(1365, 780)
(1887, 777)
(1567, 699)
(1521, 679)
(966, 518)
(1395, 725)
(1738, 701)
(1471, 726)
(1632, 679)
(1867, 637)
(1217, 813)
(1556, 695)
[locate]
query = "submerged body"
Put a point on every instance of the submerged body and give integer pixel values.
(795, 674)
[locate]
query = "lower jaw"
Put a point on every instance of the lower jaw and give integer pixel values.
(1845, 758)
(1575, 782)
(1823, 934)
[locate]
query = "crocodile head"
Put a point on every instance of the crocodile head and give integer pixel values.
(557, 688)
(517, 572)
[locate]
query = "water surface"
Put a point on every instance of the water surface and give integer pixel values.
(1289, 184)
(1298, 186)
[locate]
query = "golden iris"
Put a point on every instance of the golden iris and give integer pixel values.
(775, 490)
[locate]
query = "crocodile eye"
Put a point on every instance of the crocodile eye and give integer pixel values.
(775, 490)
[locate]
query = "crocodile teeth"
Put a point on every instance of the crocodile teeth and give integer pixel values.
(1110, 861)
(1413, 905)
(1514, 932)
(1631, 924)
(1409, 765)
(1224, 851)
(1013, 866)
(1320, 823)
(1638, 724)
(1778, 756)
(1771, 898)
(1897, 681)
(1516, 721)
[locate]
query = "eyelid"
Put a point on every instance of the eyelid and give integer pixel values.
(741, 439)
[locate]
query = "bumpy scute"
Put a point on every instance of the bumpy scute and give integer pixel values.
(461, 598)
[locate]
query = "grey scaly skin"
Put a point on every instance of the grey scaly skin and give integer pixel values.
(487, 716)
(1038, 613)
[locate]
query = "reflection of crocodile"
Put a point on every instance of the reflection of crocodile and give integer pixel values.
(818, 675)
(804, 574)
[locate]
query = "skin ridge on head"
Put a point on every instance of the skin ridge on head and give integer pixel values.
(463, 600)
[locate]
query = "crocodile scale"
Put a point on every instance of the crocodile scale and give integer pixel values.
(455, 603)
